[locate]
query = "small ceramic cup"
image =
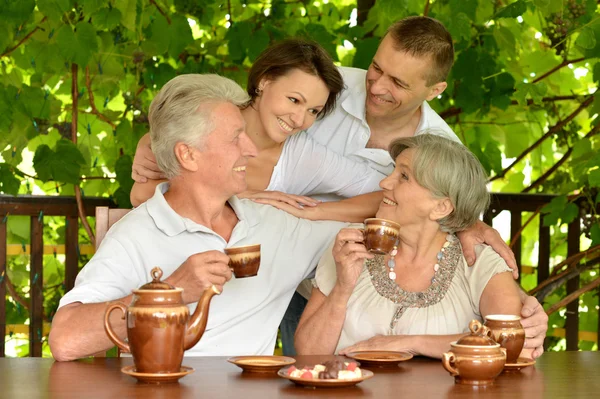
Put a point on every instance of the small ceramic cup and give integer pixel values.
(244, 261)
(381, 235)
(508, 332)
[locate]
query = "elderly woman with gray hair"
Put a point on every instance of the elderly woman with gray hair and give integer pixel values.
(422, 296)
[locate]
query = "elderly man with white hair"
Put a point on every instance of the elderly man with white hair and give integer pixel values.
(200, 142)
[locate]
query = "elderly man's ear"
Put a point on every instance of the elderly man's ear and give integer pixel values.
(187, 157)
(442, 208)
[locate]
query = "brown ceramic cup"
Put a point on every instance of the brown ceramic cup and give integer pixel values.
(244, 261)
(381, 235)
(508, 332)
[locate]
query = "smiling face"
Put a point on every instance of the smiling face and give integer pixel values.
(396, 82)
(290, 103)
(222, 156)
(404, 200)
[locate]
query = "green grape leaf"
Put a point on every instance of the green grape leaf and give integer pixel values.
(260, 41)
(128, 13)
(513, 10)
(594, 178)
(62, 165)
(460, 27)
(9, 183)
(107, 18)
(159, 75)
(468, 7)
(181, 35)
(321, 35)
(87, 43)
(596, 73)
(554, 210)
(158, 42)
(123, 171)
(121, 197)
(586, 39)
(505, 39)
(65, 39)
(91, 6)
(237, 36)
(54, 9)
(569, 213)
(42, 162)
(6, 36)
(16, 11)
(595, 234)
(365, 51)
(541, 3)
(581, 147)
(597, 199)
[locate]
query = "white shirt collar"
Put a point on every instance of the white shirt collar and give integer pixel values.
(355, 102)
(172, 224)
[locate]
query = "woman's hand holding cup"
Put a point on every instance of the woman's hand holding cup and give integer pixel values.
(349, 253)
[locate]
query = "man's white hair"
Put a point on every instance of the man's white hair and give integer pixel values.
(181, 113)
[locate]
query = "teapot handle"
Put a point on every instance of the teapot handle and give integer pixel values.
(447, 359)
(109, 331)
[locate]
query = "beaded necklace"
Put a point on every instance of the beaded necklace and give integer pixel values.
(440, 255)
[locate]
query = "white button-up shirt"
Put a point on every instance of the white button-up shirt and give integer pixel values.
(243, 320)
(346, 131)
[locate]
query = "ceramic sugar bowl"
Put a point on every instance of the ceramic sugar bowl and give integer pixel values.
(475, 359)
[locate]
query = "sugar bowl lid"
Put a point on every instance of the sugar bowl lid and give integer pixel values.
(479, 336)
(156, 284)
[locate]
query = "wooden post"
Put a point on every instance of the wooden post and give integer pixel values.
(515, 226)
(2, 283)
(543, 269)
(71, 256)
(36, 278)
(572, 323)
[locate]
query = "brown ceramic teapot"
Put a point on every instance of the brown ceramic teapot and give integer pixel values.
(159, 326)
(475, 359)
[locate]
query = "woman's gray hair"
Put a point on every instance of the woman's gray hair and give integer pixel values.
(181, 113)
(448, 170)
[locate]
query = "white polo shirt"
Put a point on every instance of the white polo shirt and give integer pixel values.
(306, 167)
(243, 320)
(346, 131)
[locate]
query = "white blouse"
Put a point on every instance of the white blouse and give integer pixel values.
(378, 306)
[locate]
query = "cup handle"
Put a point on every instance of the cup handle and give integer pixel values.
(109, 331)
(447, 359)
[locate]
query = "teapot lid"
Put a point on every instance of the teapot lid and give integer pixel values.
(156, 284)
(478, 337)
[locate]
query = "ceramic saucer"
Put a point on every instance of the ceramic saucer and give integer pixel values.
(157, 378)
(379, 358)
(521, 363)
(318, 383)
(261, 364)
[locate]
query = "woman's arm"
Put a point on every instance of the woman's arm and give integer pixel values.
(323, 318)
(355, 209)
(321, 323)
(309, 168)
(145, 173)
(418, 345)
(142, 192)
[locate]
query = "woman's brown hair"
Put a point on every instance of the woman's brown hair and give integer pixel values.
(287, 55)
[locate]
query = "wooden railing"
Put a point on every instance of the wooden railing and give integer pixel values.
(38, 207)
(516, 204)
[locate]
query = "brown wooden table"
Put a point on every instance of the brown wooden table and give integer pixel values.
(556, 375)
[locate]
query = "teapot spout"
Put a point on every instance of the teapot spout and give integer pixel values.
(197, 323)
